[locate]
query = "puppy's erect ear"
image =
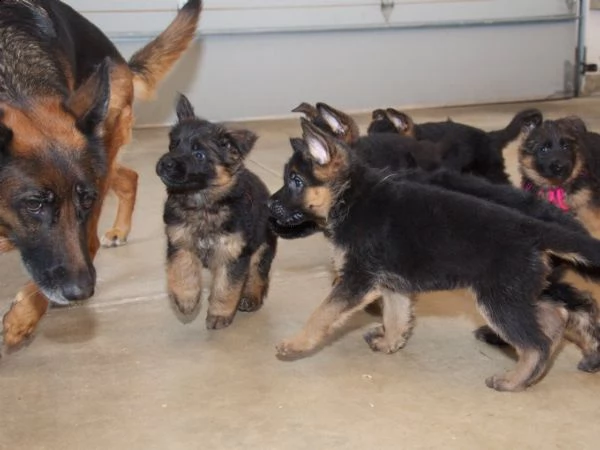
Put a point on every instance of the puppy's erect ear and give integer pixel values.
(378, 114)
(402, 121)
(243, 140)
(298, 145)
(307, 109)
(340, 123)
(89, 103)
(184, 108)
(319, 146)
(574, 124)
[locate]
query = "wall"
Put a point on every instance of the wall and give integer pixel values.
(258, 58)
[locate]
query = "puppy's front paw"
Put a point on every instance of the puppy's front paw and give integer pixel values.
(249, 304)
(218, 322)
(501, 383)
(289, 350)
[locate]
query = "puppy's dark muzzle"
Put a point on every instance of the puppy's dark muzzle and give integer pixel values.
(170, 170)
(559, 169)
(289, 224)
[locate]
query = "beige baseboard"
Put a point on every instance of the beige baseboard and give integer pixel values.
(594, 4)
(591, 86)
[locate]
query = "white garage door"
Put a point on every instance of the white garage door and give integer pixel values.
(260, 58)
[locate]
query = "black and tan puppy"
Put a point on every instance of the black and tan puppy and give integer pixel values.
(469, 149)
(387, 150)
(216, 217)
(560, 161)
(429, 239)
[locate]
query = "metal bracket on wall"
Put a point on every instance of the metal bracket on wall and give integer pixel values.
(387, 6)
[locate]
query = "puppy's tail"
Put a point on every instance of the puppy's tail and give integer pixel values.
(573, 247)
(152, 63)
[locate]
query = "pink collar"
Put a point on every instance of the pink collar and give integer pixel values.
(556, 195)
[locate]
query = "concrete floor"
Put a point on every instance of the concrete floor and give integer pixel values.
(120, 372)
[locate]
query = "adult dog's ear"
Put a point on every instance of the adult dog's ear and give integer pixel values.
(90, 102)
(184, 109)
(343, 126)
(402, 121)
(243, 140)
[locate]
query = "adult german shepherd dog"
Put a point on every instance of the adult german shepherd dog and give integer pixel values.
(428, 239)
(66, 99)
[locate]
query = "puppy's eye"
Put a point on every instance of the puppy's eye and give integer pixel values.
(566, 146)
(225, 144)
(199, 155)
(296, 182)
(543, 150)
(34, 205)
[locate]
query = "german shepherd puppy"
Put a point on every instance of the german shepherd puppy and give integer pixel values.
(471, 149)
(66, 99)
(388, 150)
(499, 254)
(216, 217)
(560, 161)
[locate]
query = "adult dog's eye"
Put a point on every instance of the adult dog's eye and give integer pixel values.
(34, 205)
(86, 198)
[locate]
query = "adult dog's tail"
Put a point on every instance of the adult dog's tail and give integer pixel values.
(152, 63)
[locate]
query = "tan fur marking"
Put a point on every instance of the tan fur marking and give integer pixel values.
(27, 310)
(318, 200)
(588, 214)
(256, 286)
(512, 154)
(184, 278)
(331, 315)
(398, 322)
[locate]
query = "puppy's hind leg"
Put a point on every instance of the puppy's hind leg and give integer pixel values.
(398, 321)
(257, 283)
(533, 329)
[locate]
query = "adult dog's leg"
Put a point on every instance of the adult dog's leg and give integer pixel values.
(123, 183)
(20, 321)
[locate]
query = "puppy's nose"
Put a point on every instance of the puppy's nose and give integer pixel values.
(558, 168)
(167, 164)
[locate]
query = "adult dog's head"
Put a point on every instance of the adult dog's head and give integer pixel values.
(51, 160)
(202, 156)
(313, 178)
(552, 152)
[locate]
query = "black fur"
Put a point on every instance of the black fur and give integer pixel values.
(467, 149)
(428, 239)
(216, 217)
